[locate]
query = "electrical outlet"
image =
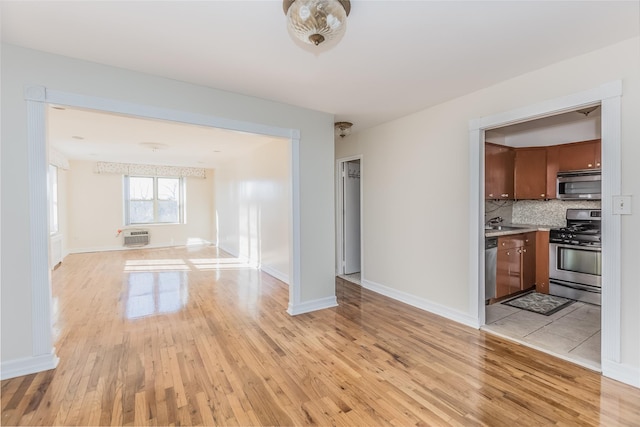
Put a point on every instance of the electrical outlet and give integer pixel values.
(622, 205)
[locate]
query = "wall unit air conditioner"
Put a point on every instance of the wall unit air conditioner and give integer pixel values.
(136, 237)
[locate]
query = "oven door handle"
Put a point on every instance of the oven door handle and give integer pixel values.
(577, 247)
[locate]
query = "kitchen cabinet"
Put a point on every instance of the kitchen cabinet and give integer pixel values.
(528, 262)
(530, 173)
(553, 166)
(508, 272)
(516, 264)
(499, 166)
(580, 155)
(542, 262)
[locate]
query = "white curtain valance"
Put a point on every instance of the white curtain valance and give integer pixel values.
(58, 159)
(148, 170)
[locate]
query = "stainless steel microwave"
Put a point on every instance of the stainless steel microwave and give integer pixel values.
(585, 184)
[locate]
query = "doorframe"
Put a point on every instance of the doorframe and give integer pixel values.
(339, 216)
(37, 99)
(608, 96)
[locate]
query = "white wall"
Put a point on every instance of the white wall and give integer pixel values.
(252, 207)
(95, 211)
(416, 184)
(63, 213)
(584, 129)
(23, 67)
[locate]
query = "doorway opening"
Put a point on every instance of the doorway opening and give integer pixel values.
(524, 304)
(38, 98)
(207, 165)
(609, 97)
(349, 219)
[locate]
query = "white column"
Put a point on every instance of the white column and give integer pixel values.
(294, 239)
(35, 97)
(611, 232)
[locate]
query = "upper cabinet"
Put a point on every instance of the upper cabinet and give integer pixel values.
(553, 166)
(499, 166)
(530, 173)
(580, 155)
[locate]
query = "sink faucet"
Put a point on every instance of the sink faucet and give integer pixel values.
(495, 220)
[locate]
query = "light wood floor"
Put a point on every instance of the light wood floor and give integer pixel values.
(191, 336)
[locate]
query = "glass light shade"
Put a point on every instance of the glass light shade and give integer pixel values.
(342, 129)
(314, 21)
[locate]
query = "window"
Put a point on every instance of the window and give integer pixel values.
(153, 200)
(53, 199)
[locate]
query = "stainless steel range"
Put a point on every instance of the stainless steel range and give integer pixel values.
(575, 257)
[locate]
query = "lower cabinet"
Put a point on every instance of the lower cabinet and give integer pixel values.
(542, 262)
(516, 264)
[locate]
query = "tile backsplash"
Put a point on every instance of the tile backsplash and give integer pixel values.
(501, 208)
(536, 212)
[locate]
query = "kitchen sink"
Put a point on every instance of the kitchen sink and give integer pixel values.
(501, 227)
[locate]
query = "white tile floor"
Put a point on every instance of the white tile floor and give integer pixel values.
(572, 333)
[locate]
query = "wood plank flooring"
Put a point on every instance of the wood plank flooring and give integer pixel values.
(188, 336)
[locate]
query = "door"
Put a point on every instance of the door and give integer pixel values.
(531, 173)
(499, 165)
(508, 272)
(351, 216)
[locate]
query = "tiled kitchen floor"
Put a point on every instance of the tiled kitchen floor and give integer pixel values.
(572, 333)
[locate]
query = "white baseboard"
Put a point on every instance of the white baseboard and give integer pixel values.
(306, 307)
(129, 248)
(229, 251)
(621, 372)
(28, 365)
(275, 273)
(421, 303)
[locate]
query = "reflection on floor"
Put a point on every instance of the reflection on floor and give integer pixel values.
(572, 333)
(353, 278)
(158, 292)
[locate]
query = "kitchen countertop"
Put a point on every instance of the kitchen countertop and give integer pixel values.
(520, 228)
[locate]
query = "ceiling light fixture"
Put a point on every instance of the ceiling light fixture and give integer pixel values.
(588, 110)
(343, 129)
(154, 146)
(314, 21)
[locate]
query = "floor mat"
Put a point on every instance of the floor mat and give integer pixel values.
(540, 303)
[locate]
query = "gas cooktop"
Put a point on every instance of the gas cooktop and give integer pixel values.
(583, 228)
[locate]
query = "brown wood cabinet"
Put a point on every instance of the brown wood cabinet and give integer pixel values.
(529, 262)
(553, 166)
(516, 264)
(580, 155)
(530, 173)
(499, 166)
(542, 262)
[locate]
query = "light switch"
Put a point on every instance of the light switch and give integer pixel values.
(622, 205)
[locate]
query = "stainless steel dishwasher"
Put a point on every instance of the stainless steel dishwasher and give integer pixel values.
(490, 261)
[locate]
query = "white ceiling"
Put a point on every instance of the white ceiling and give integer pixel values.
(572, 126)
(97, 136)
(396, 58)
